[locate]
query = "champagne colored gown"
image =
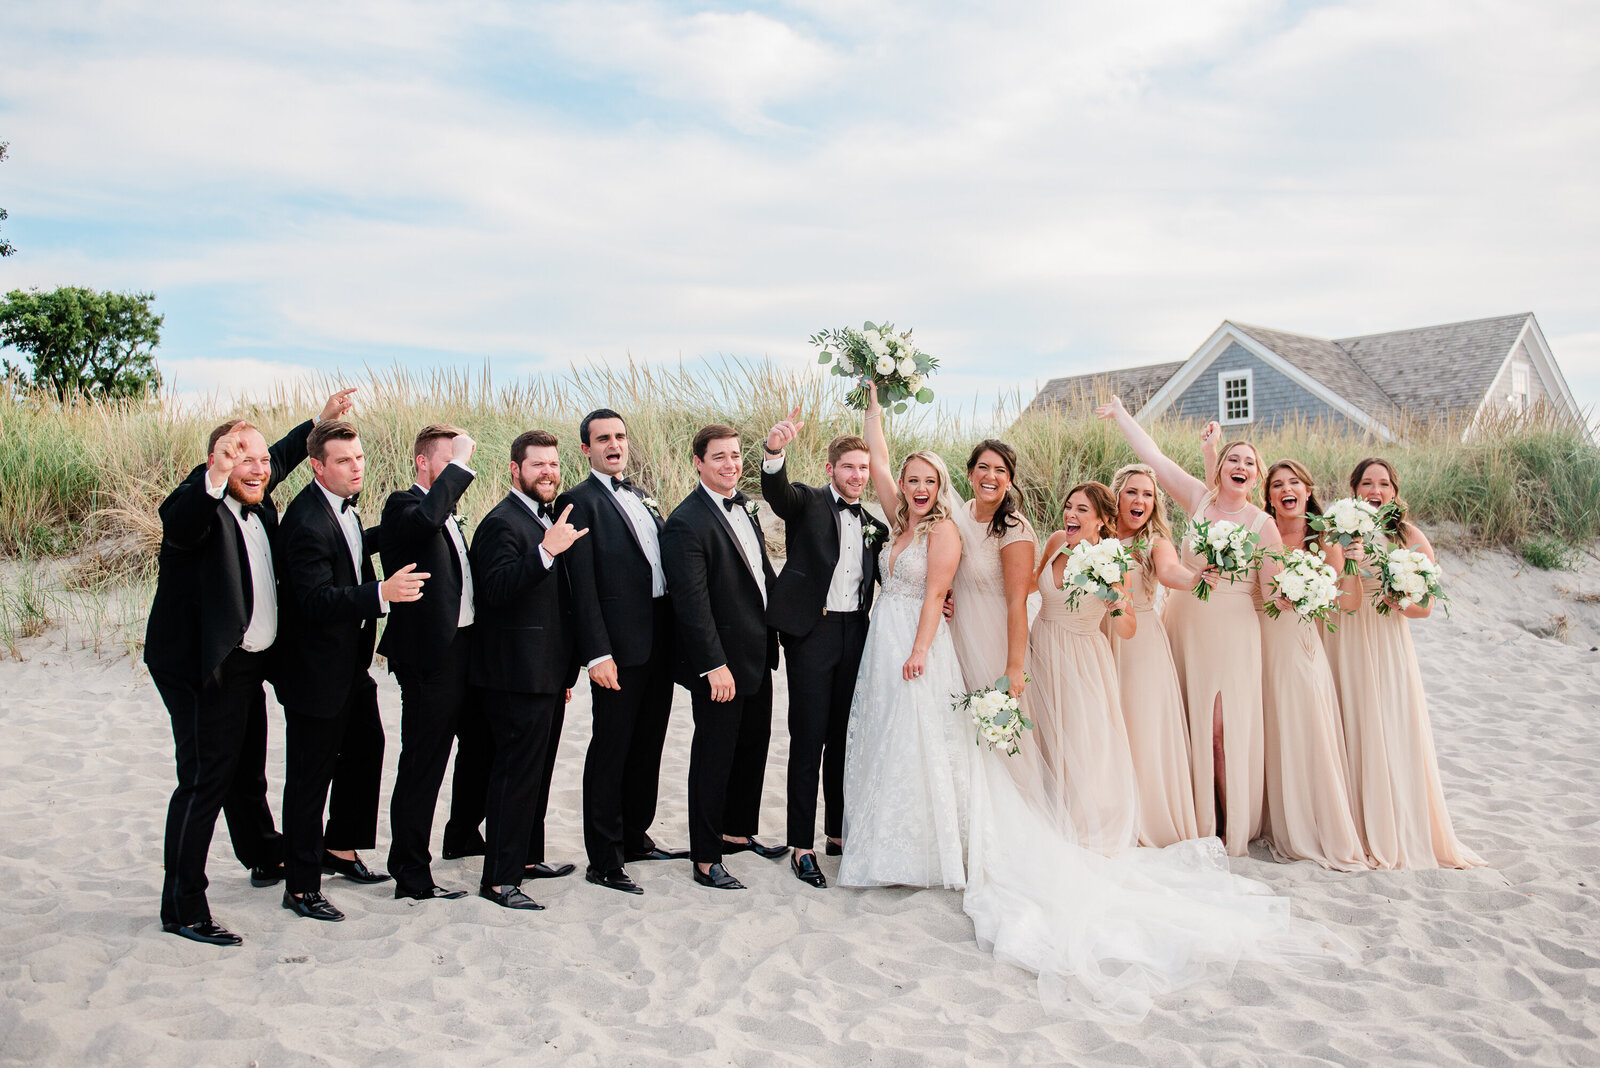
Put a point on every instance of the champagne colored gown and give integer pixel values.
(1152, 709)
(1076, 708)
(1394, 771)
(1216, 647)
(978, 627)
(1308, 813)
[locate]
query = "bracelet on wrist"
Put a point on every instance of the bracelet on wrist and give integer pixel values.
(769, 452)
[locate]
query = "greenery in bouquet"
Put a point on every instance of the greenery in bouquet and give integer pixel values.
(997, 715)
(1350, 518)
(1224, 545)
(1310, 585)
(1097, 568)
(1408, 577)
(877, 352)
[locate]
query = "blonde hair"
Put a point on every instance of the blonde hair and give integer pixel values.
(1215, 483)
(944, 502)
(1156, 523)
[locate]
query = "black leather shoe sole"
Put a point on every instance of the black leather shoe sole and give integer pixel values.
(208, 932)
(354, 870)
(513, 898)
(548, 871)
(432, 893)
(617, 880)
(656, 854)
(316, 908)
(717, 878)
(833, 849)
(264, 877)
(772, 852)
(805, 869)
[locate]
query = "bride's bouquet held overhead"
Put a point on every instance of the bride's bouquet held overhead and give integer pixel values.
(1407, 577)
(876, 352)
(1226, 546)
(1349, 518)
(997, 715)
(1310, 585)
(1097, 568)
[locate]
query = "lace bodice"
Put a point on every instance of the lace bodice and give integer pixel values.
(910, 575)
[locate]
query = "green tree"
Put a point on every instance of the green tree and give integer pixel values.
(81, 341)
(6, 248)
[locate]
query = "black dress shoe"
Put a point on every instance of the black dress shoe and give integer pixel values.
(207, 930)
(833, 849)
(770, 852)
(312, 906)
(432, 893)
(353, 870)
(804, 866)
(548, 871)
(717, 877)
(457, 850)
(615, 879)
(510, 898)
(655, 852)
(270, 875)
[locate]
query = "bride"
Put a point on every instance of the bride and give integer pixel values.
(1105, 935)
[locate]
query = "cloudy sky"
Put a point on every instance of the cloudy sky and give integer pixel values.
(1039, 188)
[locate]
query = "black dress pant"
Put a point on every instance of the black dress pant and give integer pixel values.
(520, 723)
(622, 770)
(344, 750)
(430, 707)
(541, 801)
(469, 782)
(219, 734)
(822, 670)
(727, 763)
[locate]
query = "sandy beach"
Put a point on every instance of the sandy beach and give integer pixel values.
(1493, 966)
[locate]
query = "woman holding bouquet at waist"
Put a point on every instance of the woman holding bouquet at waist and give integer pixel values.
(1216, 643)
(1074, 699)
(1394, 772)
(1152, 700)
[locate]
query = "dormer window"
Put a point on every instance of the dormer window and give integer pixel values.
(1233, 397)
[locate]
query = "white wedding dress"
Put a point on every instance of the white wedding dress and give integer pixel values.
(1105, 935)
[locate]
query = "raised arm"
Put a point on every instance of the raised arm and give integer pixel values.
(1184, 488)
(776, 489)
(1170, 571)
(944, 553)
(883, 482)
(1210, 442)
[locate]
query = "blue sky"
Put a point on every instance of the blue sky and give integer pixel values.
(1038, 188)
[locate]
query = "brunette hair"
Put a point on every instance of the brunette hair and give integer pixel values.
(531, 439)
(1156, 523)
(1101, 500)
(1008, 513)
(326, 431)
(846, 443)
(221, 429)
(708, 434)
(1298, 470)
(431, 433)
(1394, 526)
(598, 413)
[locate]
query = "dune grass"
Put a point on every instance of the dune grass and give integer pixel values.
(91, 473)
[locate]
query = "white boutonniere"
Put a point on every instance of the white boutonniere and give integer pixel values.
(462, 523)
(871, 534)
(752, 507)
(650, 503)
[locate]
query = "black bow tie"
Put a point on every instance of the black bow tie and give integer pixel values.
(349, 503)
(546, 513)
(251, 510)
(621, 483)
(738, 498)
(846, 506)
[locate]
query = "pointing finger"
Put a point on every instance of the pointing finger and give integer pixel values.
(794, 414)
(564, 514)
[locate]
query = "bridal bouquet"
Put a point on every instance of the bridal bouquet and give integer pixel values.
(877, 352)
(1225, 545)
(1309, 583)
(1349, 518)
(1410, 578)
(1096, 568)
(997, 715)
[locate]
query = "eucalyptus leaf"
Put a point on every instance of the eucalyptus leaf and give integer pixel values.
(924, 395)
(1003, 682)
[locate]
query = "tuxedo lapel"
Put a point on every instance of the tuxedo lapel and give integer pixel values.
(725, 517)
(333, 527)
(627, 524)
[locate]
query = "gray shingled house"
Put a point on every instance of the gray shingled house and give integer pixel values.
(1249, 375)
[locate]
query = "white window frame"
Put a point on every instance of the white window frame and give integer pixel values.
(1520, 381)
(1223, 377)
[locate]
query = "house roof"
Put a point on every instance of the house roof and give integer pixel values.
(1134, 385)
(1328, 363)
(1437, 368)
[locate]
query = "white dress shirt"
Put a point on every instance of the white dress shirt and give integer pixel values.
(844, 589)
(262, 629)
(454, 533)
(744, 531)
(644, 524)
(350, 523)
(533, 507)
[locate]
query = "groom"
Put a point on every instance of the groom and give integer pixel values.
(819, 607)
(716, 561)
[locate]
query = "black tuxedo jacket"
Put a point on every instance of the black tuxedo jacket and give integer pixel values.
(811, 534)
(610, 575)
(327, 613)
(412, 532)
(203, 595)
(721, 620)
(522, 638)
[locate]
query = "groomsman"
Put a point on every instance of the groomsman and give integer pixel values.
(212, 625)
(428, 646)
(623, 619)
(717, 564)
(819, 606)
(330, 600)
(523, 665)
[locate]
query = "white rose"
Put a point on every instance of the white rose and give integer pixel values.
(885, 365)
(908, 367)
(1108, 573)
(1217, 539)
(1292, 587)
(878, 346)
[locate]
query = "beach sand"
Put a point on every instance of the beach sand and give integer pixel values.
(1493, 966)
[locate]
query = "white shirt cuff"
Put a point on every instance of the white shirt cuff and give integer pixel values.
(713, 671)
(772, 464)
(462, 464)
(596, 662)
(215, 491)
(383, 603)
(549, 561)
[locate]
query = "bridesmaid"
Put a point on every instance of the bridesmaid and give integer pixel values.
(1074, 701)
(1394, 772)
(998, 551)
(1308, 813)
(1152, 703)
(1216, 644)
